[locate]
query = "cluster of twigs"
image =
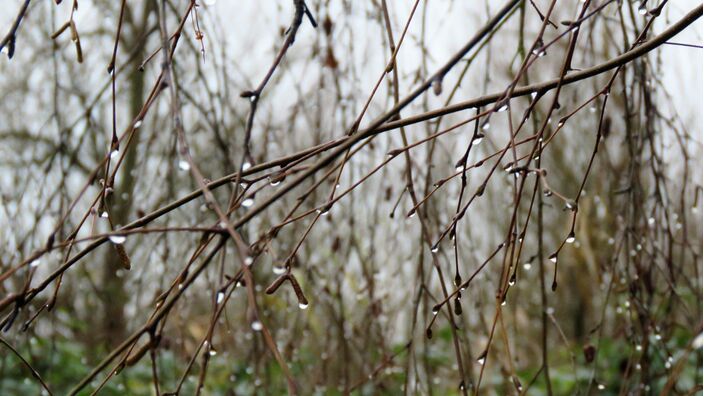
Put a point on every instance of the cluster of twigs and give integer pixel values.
(573, 173)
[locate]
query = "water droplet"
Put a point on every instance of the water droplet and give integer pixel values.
(570, 238)
(411, 213)
(478, 139)
(502, 108)
(639, 347)
(459, 169)
(435, 248)
(220, 296)
(184, 165)
(533, 94)
(137, 124)
(482, 358)
(248, 260)
(247, 202)
(212, 352)
(324, 210)
(642, 10)
(527, 266)
(658, 337)
(114, 154)
(257, 325)
(486, 126)
(210, 2)
(278, 269)
(274, 183)
(436, 309)
(35, 263)
(303, 305)
(601, 386)
(246, 166)
(538, 51)
(512, 281)
(117, 239)
(553, 257)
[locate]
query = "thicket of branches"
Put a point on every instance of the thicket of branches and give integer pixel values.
(378, 197)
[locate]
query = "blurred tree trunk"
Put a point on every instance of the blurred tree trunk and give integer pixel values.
(113, 326)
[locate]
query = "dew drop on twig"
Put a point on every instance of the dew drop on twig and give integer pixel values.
(278, 269)
(117, 239)
(482, 358)
(570, 238)
(478, 139)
